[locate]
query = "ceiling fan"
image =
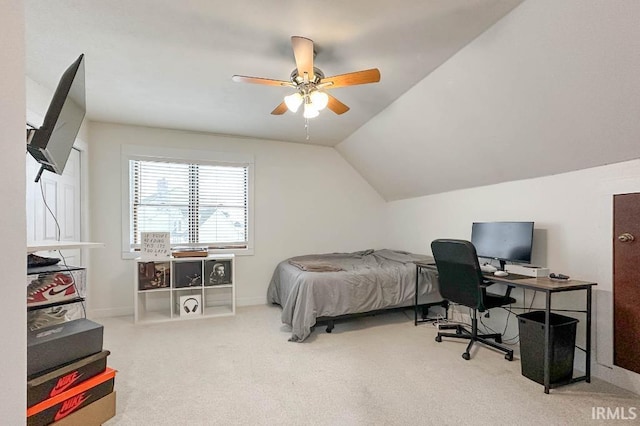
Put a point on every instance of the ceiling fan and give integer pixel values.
(311, 84)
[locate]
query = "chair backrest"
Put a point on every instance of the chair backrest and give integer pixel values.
(459, 273)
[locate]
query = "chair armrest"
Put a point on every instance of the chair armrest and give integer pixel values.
(508, 292)
(487, 283)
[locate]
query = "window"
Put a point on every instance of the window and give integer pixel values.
(199, 202)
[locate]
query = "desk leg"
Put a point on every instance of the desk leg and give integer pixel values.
(547, 343)
(588, 340)
(415, 304)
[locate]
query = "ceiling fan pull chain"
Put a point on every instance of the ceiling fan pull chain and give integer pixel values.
(306, 126)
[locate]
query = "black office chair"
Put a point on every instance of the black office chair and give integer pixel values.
(461, 282)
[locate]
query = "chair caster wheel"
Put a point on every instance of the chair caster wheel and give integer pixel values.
(328, 330)
(458, 331)
(508, 357)
(466, 356)
(438, 338)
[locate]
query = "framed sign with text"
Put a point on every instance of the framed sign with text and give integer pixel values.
(155, 245)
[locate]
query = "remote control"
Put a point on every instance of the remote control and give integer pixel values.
(559, 276)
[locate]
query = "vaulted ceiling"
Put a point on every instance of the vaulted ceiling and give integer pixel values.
(473, 92)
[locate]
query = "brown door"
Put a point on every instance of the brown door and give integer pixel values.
(626, 281)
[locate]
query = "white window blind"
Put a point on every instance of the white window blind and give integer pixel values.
(198, 204)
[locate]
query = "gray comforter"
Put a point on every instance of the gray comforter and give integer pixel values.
(360, 282)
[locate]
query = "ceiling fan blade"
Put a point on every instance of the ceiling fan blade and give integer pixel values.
(303, 52)
(352, 78)
(280, 109)
(258, 80)
(336, 106)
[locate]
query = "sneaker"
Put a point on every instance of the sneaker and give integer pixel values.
(49, 288)
(45, 317)
(34, 261)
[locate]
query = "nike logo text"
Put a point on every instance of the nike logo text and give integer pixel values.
(69, 406)
(64, 383)
(54, 292)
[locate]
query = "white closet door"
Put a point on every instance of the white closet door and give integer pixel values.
(62, 195)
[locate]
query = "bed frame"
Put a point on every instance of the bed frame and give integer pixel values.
(424, 308)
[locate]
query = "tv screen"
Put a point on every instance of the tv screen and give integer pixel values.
(51, 144)
(505, 241)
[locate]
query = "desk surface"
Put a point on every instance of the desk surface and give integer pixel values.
(540, 283)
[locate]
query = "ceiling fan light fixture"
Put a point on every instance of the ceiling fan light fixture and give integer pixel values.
(293, 101)
(319, 99)
(310, 111)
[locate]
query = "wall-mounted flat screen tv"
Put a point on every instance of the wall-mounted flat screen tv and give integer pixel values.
(51, 144)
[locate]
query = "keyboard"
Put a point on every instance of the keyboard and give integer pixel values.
(488, 268)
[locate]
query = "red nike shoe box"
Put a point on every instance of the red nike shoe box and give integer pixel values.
(68, 402)
(54, 382)
(57, 345)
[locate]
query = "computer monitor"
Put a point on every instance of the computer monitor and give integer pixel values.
(503, 241)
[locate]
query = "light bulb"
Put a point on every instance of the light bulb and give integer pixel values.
(319, 99)
(293, 101)
(310, 111)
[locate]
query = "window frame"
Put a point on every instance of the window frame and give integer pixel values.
(152, 153)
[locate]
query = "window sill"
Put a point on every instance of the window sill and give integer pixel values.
(128, 255)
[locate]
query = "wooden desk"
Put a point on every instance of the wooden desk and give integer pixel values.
(548, 287)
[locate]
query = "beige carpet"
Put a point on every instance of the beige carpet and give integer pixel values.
(378, 370)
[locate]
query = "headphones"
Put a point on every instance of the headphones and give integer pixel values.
(194, 304)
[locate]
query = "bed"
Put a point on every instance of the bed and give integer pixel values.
(321, 287)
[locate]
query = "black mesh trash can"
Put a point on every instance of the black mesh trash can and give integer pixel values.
(562, 341)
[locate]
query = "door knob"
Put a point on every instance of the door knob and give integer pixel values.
(626, 237)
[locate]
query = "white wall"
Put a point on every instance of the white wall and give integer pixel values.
(12, 223)
(307, 200)
(573, 235)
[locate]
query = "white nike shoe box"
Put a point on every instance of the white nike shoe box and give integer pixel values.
(528, 270)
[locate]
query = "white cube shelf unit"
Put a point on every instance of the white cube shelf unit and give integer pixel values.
(184, 288)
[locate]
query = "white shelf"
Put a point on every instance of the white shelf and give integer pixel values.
(33, 246)
(163, 304)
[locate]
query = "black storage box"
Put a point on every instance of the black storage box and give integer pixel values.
(52, 383)
(562, 341)
(72, 400)
(56, 345)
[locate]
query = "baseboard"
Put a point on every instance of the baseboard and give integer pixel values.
(110, 312)
(251, 301)
(128, 310)
(618, 376)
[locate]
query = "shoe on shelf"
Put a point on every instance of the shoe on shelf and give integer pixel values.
(34, 261)
(46, 317)
(49, 288)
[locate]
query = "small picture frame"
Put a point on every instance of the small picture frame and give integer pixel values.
(217, 272)
(155, 245)
(187, 274)
(153, 275)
